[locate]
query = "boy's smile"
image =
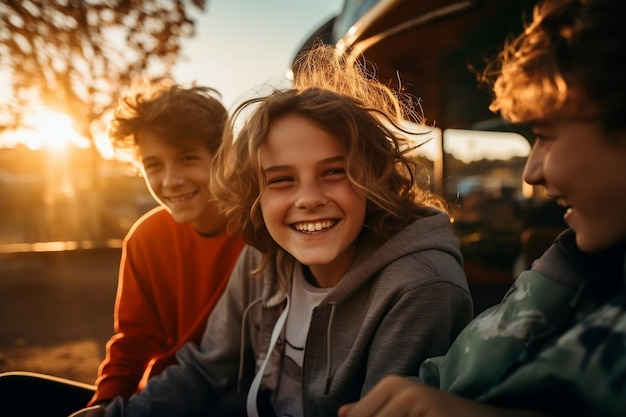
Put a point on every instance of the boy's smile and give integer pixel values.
(584, 170)
(180, 199)
(178, 177)
(309, 206)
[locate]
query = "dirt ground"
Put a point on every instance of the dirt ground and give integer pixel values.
(56, 311)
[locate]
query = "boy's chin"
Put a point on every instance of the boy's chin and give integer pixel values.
(183, 217)
(594, 243)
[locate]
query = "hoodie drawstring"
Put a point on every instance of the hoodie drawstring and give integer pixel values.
(251, 406)
(242, 337)
(329, 377)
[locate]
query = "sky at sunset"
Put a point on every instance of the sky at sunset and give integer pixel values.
(242, 44)
(240, 47)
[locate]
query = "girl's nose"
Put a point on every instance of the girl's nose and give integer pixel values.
(310, 196)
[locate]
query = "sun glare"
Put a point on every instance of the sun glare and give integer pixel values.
(45, 129)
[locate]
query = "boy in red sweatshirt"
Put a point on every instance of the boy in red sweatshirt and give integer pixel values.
(177, 258)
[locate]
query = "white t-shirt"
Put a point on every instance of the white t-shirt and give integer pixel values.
(304, 298)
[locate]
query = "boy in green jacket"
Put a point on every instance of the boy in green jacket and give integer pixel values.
(556, 345)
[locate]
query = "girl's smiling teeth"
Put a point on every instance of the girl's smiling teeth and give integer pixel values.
(314, 226)
(180, 198)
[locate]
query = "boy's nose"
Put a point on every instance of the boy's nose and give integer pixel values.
(173, 177)
(533, 170)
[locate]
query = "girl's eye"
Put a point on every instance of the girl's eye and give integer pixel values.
(278, 180)
(334, 171)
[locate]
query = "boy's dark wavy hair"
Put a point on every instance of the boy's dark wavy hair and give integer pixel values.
(566, 65)
(173, 112)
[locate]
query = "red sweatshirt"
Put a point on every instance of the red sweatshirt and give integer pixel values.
(169, 281)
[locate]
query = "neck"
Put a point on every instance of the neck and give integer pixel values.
(324, 276)
(213, 227)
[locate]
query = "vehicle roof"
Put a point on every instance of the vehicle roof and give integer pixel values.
(434, 49)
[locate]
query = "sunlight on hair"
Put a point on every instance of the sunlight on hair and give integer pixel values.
(103, 144)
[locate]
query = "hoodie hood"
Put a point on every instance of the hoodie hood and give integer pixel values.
(432, 233)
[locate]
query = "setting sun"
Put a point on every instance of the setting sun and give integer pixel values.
(45, 129)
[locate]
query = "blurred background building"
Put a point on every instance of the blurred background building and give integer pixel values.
(66, 199)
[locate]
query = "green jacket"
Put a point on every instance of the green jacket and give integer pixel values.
(556, 343)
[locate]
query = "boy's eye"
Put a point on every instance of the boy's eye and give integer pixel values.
(151, 166)
(540, 139)
(541, 135)
(190, 158)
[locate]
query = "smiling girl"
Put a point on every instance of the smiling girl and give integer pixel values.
(351, 272)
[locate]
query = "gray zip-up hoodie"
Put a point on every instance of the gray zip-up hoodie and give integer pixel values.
(403, 300)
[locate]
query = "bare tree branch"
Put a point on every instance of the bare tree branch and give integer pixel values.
(73, 56)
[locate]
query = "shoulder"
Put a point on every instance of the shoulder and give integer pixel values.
(157, 215)
(249, 260)
(427, 247)
(250, 285)
(431, 219)
(433, 261)
(430, 271)
(432, 232)
(154, 222)
(561, 261)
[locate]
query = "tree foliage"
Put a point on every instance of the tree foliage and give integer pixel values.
(73, 56)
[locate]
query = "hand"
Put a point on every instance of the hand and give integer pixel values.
(93, 411)
(401, 397)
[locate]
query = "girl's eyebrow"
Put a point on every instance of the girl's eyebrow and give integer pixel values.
(337, 158)
(325, 161)
(276, 168)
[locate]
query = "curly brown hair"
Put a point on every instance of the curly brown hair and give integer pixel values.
(361, 113)
(566, 65)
